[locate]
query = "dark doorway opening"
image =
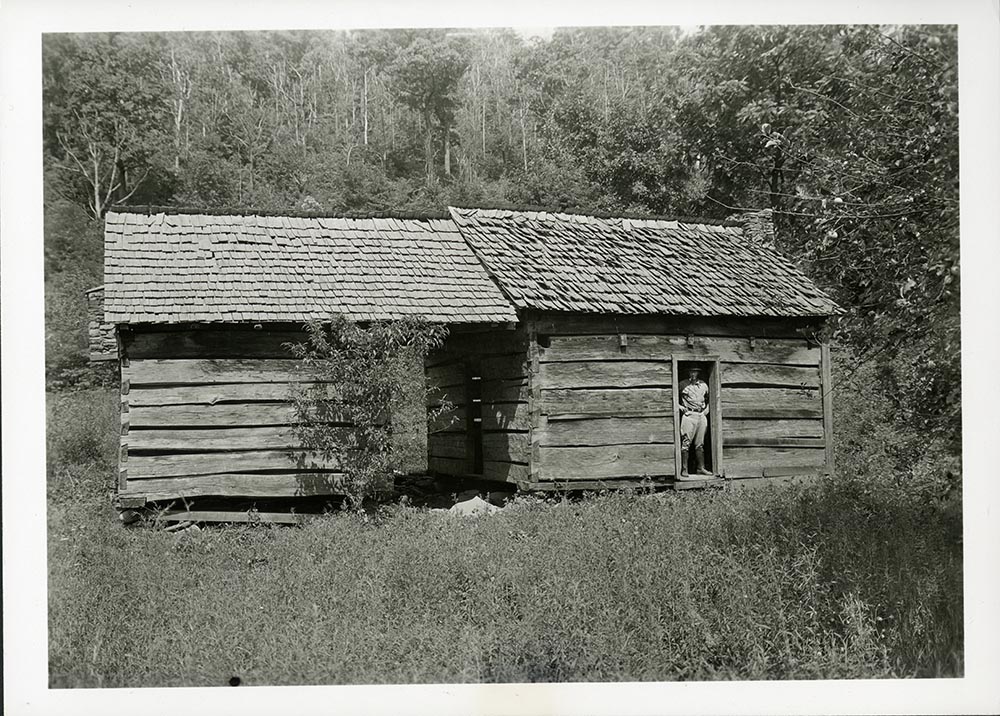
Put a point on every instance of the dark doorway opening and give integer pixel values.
(707, 375)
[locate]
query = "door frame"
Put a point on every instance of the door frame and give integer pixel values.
(714, 407)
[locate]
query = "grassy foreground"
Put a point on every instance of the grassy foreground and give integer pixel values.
(825, 581)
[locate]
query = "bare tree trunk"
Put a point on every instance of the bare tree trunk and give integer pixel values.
(428, 145)
(366, 106)
(97, 184)
(524, 140)
(447, 151)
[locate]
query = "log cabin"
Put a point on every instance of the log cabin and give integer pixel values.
(569, 334)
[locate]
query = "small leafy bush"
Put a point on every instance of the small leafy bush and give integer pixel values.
(355, 414)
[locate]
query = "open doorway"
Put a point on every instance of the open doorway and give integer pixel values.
(699, 442)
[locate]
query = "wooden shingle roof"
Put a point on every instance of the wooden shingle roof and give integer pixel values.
(572, 262)
(171, 268)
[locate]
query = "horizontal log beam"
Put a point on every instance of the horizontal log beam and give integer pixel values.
(769, 375)
(661, 347)
(506, 446)
(772, 327)
(770, 428)
(194, 371)
(574, 463)
(210, 343)
(180, 465)
(223, 415)
(606, 374)
(212, 394)
(607, 431)
(289, 484)
(750, 441)
(505, 416)
(254, 438)
(501, 471)
(648, 402)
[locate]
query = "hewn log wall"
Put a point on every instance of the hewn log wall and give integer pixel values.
(606, 407)
(209, 412)
(502, 358)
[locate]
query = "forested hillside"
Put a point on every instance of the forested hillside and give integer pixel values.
(849, 133)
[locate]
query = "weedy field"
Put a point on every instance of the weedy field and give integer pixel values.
(846, 579)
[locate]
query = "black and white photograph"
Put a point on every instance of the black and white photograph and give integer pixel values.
(503, 356)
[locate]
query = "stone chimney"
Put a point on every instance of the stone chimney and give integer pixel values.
(101, 335)
(758, 226)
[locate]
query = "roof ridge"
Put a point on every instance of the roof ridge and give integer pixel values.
(582, 211)
(446, 213)
(152, 209)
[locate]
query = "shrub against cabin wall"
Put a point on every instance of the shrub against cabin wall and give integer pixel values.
(357, 414)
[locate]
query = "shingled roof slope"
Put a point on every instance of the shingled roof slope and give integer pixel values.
(167, 268)
(573, 262)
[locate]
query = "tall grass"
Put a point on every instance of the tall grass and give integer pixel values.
(821, 581)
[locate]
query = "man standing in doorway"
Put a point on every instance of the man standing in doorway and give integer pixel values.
(694, 420)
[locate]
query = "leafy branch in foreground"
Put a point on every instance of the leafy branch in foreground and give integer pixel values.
(365, 375)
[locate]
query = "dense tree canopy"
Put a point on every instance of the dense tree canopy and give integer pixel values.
(849, 133)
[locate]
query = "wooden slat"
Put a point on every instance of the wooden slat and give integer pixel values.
(791, 398)
(776, 413)
(240, 343)
(193, 371)
(606, 374)
(450, 445)
(645, 347)
(751, 441)
(607, 431)
(499, 367)
(211, 394)
(505, 391)
(556, 323)
(743, 428)
(611, 403)
(447, 466)
(505, 471)
(774, 456)
(226, 414)
(708, 482)
(141, 466)
(505, 416)
(753, 461)
(506, 446)
(447, 375)
(259, 438)
(575, 463)
(289, 484)
(770, 375)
